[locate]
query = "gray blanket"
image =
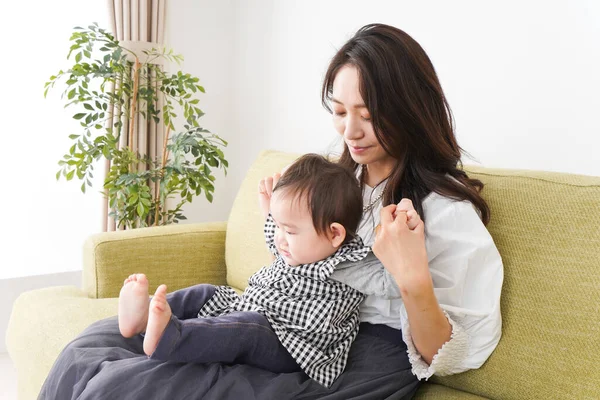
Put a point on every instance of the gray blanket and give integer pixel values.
(101, 364)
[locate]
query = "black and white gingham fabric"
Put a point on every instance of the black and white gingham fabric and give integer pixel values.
(315, 318)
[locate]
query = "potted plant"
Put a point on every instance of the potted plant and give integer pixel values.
(109, 86)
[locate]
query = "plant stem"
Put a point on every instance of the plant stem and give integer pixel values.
(162, 171)
(136, 77)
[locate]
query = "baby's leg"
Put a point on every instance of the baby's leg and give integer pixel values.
(182, 304)
(236, 338)
(133, 305)
(185, 303)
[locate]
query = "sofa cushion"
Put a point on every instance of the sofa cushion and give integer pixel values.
(431, 391)
(42, 322)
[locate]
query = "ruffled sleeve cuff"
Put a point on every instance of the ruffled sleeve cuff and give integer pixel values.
(449, 358)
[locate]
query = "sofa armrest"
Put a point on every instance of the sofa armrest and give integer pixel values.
(41, 324)
(176, 255)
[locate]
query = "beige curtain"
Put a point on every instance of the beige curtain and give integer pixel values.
(138, 25)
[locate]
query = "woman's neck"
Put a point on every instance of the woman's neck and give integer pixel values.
(375, 173)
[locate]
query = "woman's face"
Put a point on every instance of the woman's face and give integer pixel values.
(352, 119)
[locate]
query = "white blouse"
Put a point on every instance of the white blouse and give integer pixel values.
(467, 274)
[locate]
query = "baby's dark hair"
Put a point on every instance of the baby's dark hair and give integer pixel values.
(331, 191)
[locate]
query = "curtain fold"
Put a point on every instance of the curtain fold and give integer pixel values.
(138, 25)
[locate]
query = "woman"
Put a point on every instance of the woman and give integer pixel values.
(388, 106)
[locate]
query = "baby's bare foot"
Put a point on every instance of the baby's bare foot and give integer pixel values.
(133, 305)
(160, 314)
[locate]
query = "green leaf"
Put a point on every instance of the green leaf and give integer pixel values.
(70, 175)
(78, 57)
(71, 94)
(79, 115)
(88, 107)
(140, 210)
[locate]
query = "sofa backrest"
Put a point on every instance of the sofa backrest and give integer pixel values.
(547, 229)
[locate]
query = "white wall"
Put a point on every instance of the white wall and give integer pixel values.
(521, 76)
(203, 32)
(44, 222)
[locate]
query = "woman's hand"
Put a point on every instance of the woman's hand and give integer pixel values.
(400, 246)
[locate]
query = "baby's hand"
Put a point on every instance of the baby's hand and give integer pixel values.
(412, 217)
(265, 191)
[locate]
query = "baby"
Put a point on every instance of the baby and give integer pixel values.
(292, 315)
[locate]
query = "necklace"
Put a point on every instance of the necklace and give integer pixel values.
(374, 201)
(372, 204)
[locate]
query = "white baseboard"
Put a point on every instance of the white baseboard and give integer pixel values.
(10, 289)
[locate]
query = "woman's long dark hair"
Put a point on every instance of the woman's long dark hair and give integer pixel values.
(411, 117)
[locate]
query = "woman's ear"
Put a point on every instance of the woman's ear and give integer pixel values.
(337, 234)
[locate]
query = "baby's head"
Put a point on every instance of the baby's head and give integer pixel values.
(316, 205)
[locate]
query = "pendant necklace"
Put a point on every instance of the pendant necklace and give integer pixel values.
(372, 204)
(376, 199)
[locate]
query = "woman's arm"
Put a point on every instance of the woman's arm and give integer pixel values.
(402, 251)
(430, 328)
(450, 316)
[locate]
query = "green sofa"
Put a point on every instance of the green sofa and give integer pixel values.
(546, 226)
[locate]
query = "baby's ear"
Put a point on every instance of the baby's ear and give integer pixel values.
(337, 234)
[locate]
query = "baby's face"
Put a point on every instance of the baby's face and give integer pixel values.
(295, 236)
